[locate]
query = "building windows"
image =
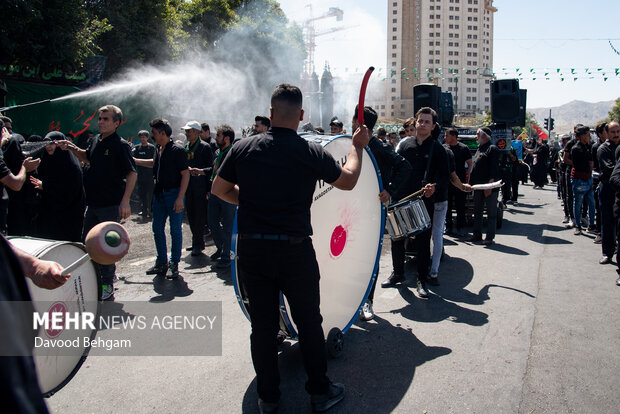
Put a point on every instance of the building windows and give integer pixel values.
(393, 55)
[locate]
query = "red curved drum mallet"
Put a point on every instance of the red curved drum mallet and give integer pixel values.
(360, 105)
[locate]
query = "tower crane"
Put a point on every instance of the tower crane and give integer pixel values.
(310, 34)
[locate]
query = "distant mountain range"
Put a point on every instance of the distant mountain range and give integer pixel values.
(575, 112)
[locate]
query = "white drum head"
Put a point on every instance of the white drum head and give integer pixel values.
(79, 294)
(348, 234)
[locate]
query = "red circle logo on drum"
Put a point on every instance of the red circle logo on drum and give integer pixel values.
(58, 307)
(338, 241)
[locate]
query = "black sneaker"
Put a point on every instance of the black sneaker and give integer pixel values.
(197, 251)
(173, 270)
(216, 256)
(392, 280)
(323, 402)
(158, 269)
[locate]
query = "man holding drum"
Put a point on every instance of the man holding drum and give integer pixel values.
(430, 171)
(395, 172)
(275, 251)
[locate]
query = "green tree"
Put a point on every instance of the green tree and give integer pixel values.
(530, 120)
(614, 114)
(48, 33)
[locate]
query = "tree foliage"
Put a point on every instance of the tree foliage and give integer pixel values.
(614, 114)
(48, 33)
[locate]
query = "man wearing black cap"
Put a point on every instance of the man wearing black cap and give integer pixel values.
(336, 126)
(485, 169)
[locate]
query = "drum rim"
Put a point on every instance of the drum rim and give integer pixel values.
(283, 310)
(41, 251)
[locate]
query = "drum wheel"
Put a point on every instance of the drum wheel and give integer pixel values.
(334, 342)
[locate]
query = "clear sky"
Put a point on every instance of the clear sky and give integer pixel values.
(536, 37)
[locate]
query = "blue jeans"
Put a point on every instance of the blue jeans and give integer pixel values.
(221, 216)
(92, 217)
(439, 220)
(163, 207)
(583, 189)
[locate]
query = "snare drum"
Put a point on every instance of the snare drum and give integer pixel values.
(407, 218)
(348, 235)
(79, 294)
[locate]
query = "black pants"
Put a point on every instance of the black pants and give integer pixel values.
(606, 198)
(267, 268)
(514, 193)
(456, 200)
(597, 207)
(569, 194)
(145, 192)
(422, 242)
(196, 208)
(480, 201)
(507, 186)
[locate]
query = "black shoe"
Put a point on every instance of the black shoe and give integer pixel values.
(196, 251)
(323, 402)
(604, 260)
(222, 264)
(422, 293)
(487, 242)
(215, 256)
(158, 269)
(173, 270)
(474, 239)
(265, 407)
(392, 280)
(189, 249)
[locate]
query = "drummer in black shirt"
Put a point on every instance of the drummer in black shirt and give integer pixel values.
(429, 171)
(275, 251)
(395, 172)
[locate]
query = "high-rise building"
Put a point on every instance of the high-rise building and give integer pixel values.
(445, 42)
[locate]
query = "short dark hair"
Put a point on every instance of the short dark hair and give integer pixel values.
(263, 120)
(370, 117)
(144, 133)
(227, 131)
(289, 96)
(402, 131)
(582, 130)
(408, 122)
(381, 131)
(452, 131)
(117, 114)
(161, 125)
(5, 119)
(427, 110)
(602, 126)
(205, 126)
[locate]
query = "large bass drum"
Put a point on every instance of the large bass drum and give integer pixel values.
(348, 231)
(81, 293)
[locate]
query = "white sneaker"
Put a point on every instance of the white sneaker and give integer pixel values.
(367, 312)
(107, 292)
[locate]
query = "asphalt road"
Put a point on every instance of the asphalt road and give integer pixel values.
(527, 325)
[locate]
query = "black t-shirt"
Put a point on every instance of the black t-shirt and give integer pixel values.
(277, 172)
(104, 177)
(461, 155)
(485, 164)
(394, 169)
(4, 171)
(144, 152)
(167, 167)
(200, 156)
(417, 155)
(581, 154)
